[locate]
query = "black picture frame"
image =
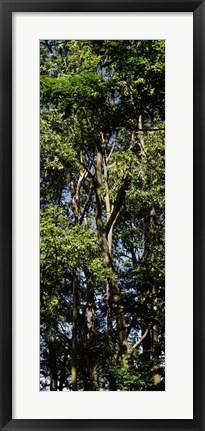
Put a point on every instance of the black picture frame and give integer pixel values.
(7, 8)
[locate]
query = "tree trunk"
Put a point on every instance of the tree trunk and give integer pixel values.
(91, 339)
(112, 290)
(52, 362)
(144, 325)
(107, 205)
(62, 373)
(155, 334)
(74, 334)
(114, 294)
(145, 290)
(155, 331)
(109, 242)
(75, 194)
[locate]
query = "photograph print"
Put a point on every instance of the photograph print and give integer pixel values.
(102, 215)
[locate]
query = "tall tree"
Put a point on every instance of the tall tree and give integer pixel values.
(102, 215)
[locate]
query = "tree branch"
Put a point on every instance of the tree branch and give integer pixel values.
(151, 130)
(137, 344)
(88, 171)
(111, 151)
(87, 204)
(117, 206)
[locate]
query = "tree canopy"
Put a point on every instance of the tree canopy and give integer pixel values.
(102, 203)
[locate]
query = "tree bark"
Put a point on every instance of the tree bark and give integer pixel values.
(107, 205)
(144, 325)
(112, 290)
(155, 335)
(114, 294)
(91, 339)
(74, 334)
(52, 361)
(62, 373)
(155, 330)
(75, 194)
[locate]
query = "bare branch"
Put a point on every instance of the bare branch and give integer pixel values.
(111, 151)
(137, 344)
(87, 204)
(117, 206)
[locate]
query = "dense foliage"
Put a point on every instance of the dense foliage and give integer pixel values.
(102, 215)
